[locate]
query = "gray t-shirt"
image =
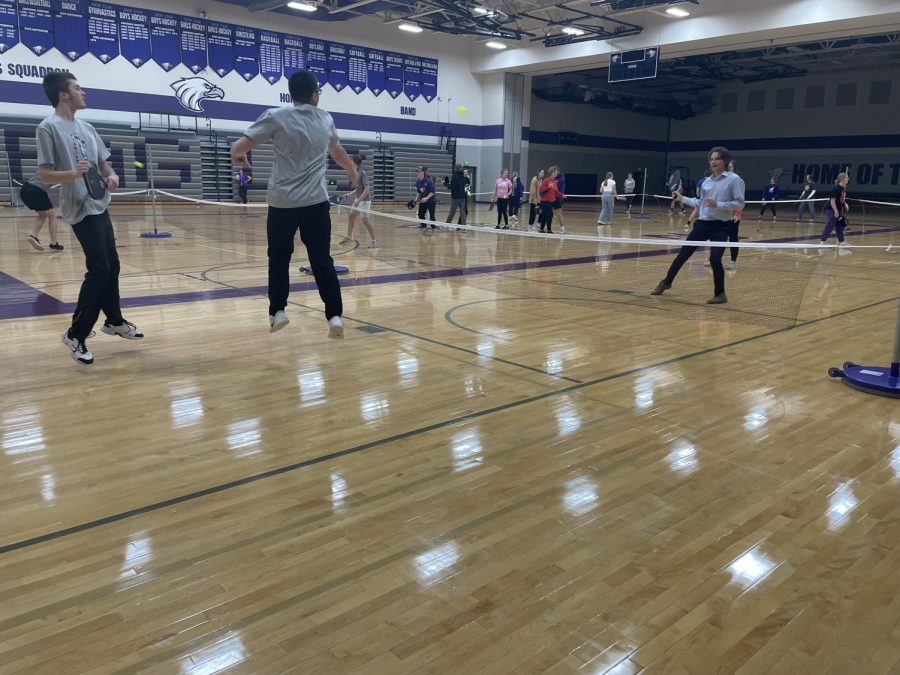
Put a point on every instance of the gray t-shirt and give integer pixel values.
(35, 180)
(302, 134)
(62, 143)
(361, 181)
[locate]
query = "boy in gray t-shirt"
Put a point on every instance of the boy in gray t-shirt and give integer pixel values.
(71, 153)
(297, 195)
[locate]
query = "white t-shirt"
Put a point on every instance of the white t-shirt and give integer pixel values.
(609, 185)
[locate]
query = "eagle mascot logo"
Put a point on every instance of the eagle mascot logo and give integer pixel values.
(192, 91)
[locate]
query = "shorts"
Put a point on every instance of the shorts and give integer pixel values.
(35, 198)
(366, 206)
(557, 204)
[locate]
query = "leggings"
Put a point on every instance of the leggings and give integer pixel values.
(502, 206)
(768, 205)
(733, 236)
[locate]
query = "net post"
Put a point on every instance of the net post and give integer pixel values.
(641, 215)
(876, 380)
(895, 357)
(14, 201)
(155, 234)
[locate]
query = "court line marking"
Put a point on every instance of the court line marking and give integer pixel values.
(353, 450)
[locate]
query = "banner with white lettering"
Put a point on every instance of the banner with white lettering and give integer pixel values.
(337, 65)
(412, 77)
(393, 73)
(70, 28)
(9, 25)
(317, 60)
(36, 25)
(165, 40)
(270, 64)
(429, 79)
(219, 40)
(375, 71)
(356, 68)
(246, 52)
(294, 54)
(103, 31)
(193, 43)
(134, 35)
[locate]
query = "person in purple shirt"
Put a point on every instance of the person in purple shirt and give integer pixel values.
(770, 194)
(242, 178)
(425, 197)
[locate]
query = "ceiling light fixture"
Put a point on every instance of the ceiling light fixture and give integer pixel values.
(493, 44)
(303, 6)
(677, 12)
(410, 28)
(569, 30)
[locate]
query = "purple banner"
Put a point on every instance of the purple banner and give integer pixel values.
(9, 25)
(165, 40)
(36, 25)
(356, 68)
(270, 63)
(429, 79)
(393, 74)
(337, 65)
(375, 71)
(103, 31)
(70, 28)
(317, 60)
(219, 41)
(134, 35)
(293, 53)
(246, 52)
(193, 43)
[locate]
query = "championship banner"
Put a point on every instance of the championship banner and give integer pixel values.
(294, 54)
(356, 68)
(165, 40)
(246, 52)
(375, 71)
(429, 79)
(412, 77)
(337, 65)
(219, 40)
(103, 31)
(36, 25)
(134, 35)
(9, 25)
(70, 28)
(317, 60)
(193, 43)
(393, 74)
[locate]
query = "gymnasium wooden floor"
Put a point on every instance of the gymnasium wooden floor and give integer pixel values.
(470, 482)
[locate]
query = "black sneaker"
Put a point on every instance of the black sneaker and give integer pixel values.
(719, 299)
(661, 287)
(35, 243)
(56, 247)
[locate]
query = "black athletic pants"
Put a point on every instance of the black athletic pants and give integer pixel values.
(704, 230)
(100, 288)
(546, 216)
(427, 207)
(314, 223)
(733, 236)
(242, 192)
(502, 206)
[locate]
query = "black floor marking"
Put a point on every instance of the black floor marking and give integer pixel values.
(149, 508)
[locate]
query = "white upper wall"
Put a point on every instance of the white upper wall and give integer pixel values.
(716, 25)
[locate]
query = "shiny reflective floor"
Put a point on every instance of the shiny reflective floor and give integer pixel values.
(470, 482)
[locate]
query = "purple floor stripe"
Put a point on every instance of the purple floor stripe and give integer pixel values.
(19, 300)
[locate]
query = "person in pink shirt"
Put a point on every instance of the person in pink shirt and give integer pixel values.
(502, 190)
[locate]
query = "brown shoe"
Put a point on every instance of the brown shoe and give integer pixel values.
(719, 299)
(660, 287)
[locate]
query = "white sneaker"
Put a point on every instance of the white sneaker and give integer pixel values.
(35, 243)
(562, 230)
(346, 240)
(731, 265)
(77, 349)
(127, 330)
(278, 321)
(335, 328)
(706, 263)
(373, 243)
